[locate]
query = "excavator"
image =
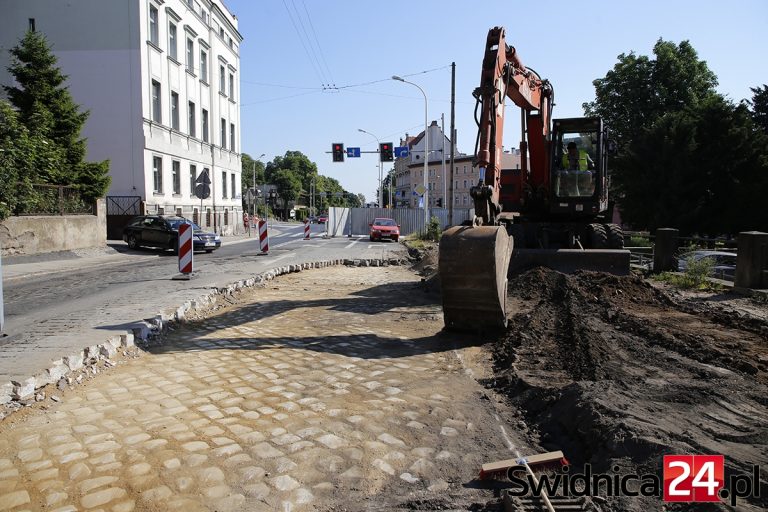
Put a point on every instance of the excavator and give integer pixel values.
(553, 211)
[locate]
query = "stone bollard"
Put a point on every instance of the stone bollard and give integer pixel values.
(665, 250)
(752, 260)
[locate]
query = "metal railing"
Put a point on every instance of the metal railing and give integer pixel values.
(43, 199)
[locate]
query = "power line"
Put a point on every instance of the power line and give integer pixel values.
(298, 34)
(317, 42)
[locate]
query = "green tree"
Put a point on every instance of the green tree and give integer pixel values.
(288, 187)
(295, 162)
(639, 90)
(47, 109)
(24, 158)
(759, 106)
(703, 169)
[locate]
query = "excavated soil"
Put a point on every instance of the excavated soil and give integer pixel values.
(617, 373)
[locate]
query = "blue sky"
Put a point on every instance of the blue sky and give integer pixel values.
(284, 106)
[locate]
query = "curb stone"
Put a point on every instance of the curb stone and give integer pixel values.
(145, 331)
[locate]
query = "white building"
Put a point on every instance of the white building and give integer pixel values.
(161, 79)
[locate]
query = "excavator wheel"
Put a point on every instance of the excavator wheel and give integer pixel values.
(473, 266)
(615, 236)
(598, 236)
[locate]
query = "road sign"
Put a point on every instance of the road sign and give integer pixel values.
(353, 152)
(203, 190)
(420, 189)
(203, 178)
(401, 151)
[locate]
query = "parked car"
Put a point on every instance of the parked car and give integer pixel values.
(322, 219)
(162, 231)
(724, 262)
(384, 228)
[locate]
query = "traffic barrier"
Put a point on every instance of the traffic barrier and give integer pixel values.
(306, 229)
(185, 248)
(263, 237)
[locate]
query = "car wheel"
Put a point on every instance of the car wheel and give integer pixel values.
(209, 251)
(395, 239)
(372, 240)
(132, 242)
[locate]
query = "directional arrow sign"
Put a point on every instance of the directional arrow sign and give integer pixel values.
(401, 151)
(353, 152)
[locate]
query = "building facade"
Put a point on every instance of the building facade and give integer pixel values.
(161, 79)
(409, 172)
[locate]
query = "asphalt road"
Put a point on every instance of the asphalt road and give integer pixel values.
(54, 307)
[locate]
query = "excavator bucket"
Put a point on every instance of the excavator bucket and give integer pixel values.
(473, 266)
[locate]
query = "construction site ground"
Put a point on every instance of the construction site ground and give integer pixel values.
(336, 390)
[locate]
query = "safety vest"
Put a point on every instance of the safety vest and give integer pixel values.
(583, 164)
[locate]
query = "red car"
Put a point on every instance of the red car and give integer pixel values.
(384, 228)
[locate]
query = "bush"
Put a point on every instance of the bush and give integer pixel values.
(639, 241)
(434, 231)
(694, 276)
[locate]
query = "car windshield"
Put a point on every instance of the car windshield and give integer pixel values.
(176, 222)
(384, 222)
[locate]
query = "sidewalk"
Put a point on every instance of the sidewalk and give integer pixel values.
(128, 299)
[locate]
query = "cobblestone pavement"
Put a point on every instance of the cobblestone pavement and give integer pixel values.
(331, 389)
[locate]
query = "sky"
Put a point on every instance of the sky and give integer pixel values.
(314, 72)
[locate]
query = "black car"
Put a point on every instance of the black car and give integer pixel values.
(162, 231)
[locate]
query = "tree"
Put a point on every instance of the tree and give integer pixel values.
(759, 106)
(24, 158)
(639, 90)
(288, 186)
(47, 110)
(703, 170)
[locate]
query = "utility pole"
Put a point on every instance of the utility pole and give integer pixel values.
(442, 153)
(453, 141)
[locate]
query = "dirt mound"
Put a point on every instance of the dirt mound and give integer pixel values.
(617, 373)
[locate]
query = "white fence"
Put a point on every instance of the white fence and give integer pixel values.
(355, 221)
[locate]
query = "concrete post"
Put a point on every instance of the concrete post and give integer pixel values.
(752, 260)
(665, 250)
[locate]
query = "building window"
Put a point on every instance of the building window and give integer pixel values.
(154, 38)
(191, 119)
(190, 55)
(174, 110)
(176, 176)
(157, 113)
(226, 216)
(224, 184)
(196, 216)
(465, 183)
(172, 41)
(157, 174)
(221, 32)
(207, 216)
(222, 80)
(205, 125)
(232, 136)
(204, 65)
(465, 198)
(234, 189)
(232, 86)
(192, 179)
(223, 134)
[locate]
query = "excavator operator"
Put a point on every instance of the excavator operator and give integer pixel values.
(577, 159)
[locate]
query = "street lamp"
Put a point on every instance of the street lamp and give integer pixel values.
(426, 149)
(381, 166)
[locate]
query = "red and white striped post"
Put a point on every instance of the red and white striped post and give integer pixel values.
(263, 237)
(306, 229)
(185, 249)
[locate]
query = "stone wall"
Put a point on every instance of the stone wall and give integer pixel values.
(38, 234)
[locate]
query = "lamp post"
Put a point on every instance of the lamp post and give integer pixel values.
(381, 192)
(426, 149)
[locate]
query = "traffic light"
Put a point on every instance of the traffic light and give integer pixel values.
(385, 151)
(337, 148)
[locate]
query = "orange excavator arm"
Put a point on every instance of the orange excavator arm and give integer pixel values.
(504, 76)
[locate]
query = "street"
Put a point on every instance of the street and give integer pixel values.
(54, 308)
(333, 389)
